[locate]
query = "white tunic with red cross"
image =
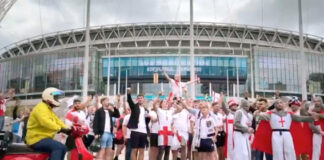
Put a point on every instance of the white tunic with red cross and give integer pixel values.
(282, 143)
(165, 133)
(229, 128)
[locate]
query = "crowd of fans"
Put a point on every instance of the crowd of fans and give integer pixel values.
(179, 127)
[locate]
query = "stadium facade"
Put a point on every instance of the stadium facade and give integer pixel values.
(266, 59)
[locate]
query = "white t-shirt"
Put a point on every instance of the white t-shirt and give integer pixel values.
(125, 122)
(177, 88)
(141, 122)
(219, 119)
(165, 117)
(107, 122)
(180, 121)
(89, 120)
(206, 126)
(154, 126)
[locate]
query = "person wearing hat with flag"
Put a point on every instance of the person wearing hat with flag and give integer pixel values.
(300, 132)
(229, 128)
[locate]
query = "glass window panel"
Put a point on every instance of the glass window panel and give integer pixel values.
(214, 61)
(201, 61)
(164, 61)
(152, 61)
(171, 61)
(146, 61)
(135, 61)
(105, 62)
(207, 61)
(226, 63)
(159, 61)
(220, 61)
(140, 62)
(233, 62)
(184, 61)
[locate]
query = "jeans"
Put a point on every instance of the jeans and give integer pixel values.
(16, 139)
(106, 140)
(128, 150)
(2, 121)
(259, 155)
(56, 149)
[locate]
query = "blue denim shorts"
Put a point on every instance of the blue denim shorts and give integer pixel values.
(106, 140)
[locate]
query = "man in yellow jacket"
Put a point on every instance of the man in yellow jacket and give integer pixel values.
(43, 124)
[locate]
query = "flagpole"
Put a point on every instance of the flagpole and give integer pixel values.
(302, 53)
(227, 82)
(192, 58)
(86, 55)
(108, 73)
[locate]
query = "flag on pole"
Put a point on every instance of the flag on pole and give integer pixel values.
(215, 96)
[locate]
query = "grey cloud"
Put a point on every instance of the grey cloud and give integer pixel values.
(23, 20)
(284, 15)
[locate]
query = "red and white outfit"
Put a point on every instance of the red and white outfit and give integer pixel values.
(229, 140)
(76, 117)
(176, 87)
(165, 133)
(318, 141)
(262, 136)
(3, 106)
(282, 142)
(301, 135)
(229, 129)
(181, 124)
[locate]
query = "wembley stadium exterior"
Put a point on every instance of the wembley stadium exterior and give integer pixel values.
(266, 59)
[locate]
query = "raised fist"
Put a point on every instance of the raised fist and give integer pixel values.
(129, 91)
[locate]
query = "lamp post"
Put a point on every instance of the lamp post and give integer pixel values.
(86, 55)
(302, 53)
(108, 72)
(192, 54)
(237, 81)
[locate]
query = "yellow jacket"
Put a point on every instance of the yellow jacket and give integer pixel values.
(42, 123)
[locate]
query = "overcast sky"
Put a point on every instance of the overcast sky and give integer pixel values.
(28, 18)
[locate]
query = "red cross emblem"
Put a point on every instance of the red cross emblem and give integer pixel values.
(281, 121)
(165, 133)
